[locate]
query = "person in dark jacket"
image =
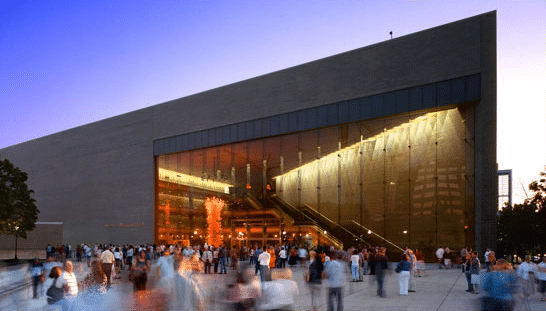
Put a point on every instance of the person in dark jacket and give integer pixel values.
(315, 278)
(381, 266)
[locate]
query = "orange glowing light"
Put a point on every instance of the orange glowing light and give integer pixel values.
(167, 212)
(214, 208)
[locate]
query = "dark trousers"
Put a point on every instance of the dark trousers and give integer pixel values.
(216, 265)
(379, 274)
(468, 276)
(107, 269)
(283, 263)
(207, 267)
(335, 292)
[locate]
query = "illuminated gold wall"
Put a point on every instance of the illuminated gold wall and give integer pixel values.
(404, 177)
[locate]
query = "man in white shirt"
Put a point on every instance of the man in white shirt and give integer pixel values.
(107, 260)
(207, 259)
(440, 256)
(263, 261)
(526, 271)
(541, 275)
(282, 256)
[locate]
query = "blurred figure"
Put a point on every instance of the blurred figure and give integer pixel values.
(475, 272)
(55, 293)
(282, 257)
(355, 263)
(93, 288)
(244, 293)
(314, 278)
(420, 257)
(381, 266)
(70, 284)
(263, 261)
(440, 256)
(279, 293)
(185, 294)
(107, 259)
(37, 274)
(541, 275)
(334, 273)
(403, 269)
(526, 272)
(498, 287)
(139, 272)
(207, 260)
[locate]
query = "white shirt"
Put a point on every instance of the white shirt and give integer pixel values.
(525, 268)
(264, 258)
(486, 255)
(166, 267)
(70, 280)
(278, 294)
(541, 275)
(439, 253)
(282, 254)
(354, 259)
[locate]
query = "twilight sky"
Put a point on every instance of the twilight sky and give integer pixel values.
(67, 63)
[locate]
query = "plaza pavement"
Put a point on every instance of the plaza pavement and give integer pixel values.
(439, 290)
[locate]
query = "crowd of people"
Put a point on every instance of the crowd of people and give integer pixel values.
(263, 276)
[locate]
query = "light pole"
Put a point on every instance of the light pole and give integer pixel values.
(16, 228)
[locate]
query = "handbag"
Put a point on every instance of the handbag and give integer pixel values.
(54, 294)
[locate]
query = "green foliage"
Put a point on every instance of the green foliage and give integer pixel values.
(18, 213)
(522, 227)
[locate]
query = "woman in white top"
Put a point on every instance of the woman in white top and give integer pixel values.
(355, 265)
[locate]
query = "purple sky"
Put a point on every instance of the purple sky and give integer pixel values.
(68, 63)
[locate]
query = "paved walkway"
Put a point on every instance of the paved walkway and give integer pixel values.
(439, 290)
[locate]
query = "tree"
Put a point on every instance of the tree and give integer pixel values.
(18, 213)
(522, 227)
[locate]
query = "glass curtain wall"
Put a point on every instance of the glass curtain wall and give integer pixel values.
(402, 177)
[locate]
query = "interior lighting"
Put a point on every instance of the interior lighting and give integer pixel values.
(369, 231)
(405, 231)
(193, 181)
(380, 136)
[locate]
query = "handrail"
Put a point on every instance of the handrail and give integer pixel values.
(371, 232)
(336, 224)
(306, 216)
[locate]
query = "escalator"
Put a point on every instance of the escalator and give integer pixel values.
(308, 216)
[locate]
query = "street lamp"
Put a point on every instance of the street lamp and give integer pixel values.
(16, 228)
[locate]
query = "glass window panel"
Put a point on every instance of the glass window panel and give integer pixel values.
(423, 179)
(255, 158)
(198, 163)
(272, 154)
(225, 159)
(239, 162)
(451, 181)
(309, 150)
(373, 175)
(184, 163)
(211, 165)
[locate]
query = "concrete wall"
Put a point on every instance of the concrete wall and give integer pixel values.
(98, 179)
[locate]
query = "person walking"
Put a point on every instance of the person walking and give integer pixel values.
(403, 269)
(282, 257)
(381, 265)
(37, 274)
(139, 272)
(541, 276)
(107, 260)
(70, 284)
(475, 272)
(222, 255)
(334, 274)
(526, 272)
(355, 263)
(207, 259)
(314, 278)
(263, 261)
(498, 287)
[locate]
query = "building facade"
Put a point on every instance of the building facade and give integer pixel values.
(395, 141)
